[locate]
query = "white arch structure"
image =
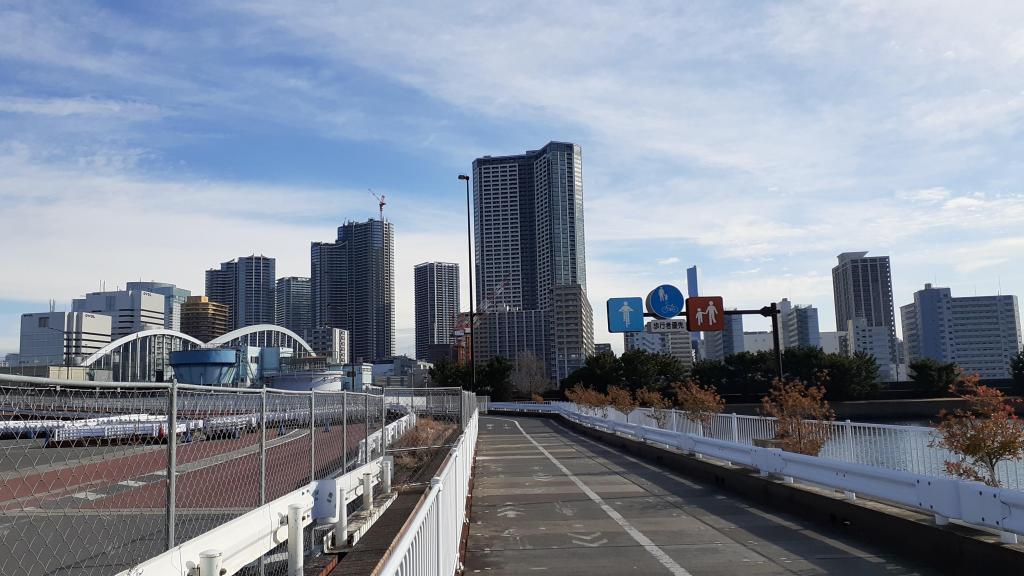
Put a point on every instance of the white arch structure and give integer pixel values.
(262, 335)
(141, 356)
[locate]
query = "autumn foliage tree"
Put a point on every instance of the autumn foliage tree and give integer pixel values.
(589, 399)
(701, 403)
(658, 404)
(802, 414)
(983, 436)
(622, 400)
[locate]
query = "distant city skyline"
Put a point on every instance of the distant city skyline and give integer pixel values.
(180, 143)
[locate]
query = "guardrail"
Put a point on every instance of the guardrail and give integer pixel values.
(429, 544)
(232, 546)
(971, 502)
(897, 447)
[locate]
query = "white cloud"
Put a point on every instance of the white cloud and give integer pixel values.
(79, 107)
(668, 261)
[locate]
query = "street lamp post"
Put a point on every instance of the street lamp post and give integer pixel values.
(469, 249)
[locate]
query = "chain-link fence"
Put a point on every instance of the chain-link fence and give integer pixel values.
(98, 477)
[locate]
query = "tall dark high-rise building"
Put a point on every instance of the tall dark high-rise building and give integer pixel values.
(292, 306)
(352, 286)
(437, 305)
(246, 286)
(530, 256)
(862, 288)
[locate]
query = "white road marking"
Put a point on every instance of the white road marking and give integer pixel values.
(132, 483)
(637, 535)
(88, 496)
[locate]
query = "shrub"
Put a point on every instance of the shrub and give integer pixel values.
(803, 416)
(658, 404)
(622, 400)
(700, 403)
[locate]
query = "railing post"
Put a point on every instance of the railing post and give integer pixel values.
(295, 540)
(341, 526)
(344, 433)
(367, 490)
(172, 459)
(263, 461)
(848, 432)
(366, 427)
(312, 434)
(436, 481)
(388, 471)
(735, 429)
(209, 562)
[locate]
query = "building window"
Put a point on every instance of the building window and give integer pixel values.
(44, 322)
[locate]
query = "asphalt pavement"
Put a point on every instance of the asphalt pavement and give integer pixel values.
(549, 501)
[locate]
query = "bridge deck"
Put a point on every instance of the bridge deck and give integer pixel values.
(547, 500)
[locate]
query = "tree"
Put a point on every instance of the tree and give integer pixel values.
(932, 376)
(802, 415)
(983, 436)
(658, 404)
(448, 373)
(531, 375)
(622, 400)
(495, 379)
(701, 403)
(643, 369)
(853, 377)
(1017, 370)
(599, 372)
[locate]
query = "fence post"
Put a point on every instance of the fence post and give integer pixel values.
(312, 434)
(344, 433)
(263, 447)
(172, 459)
(295, 543)
(848, 432)
(366, 427)
(735, 429)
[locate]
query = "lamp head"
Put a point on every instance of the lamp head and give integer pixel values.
(463, 177)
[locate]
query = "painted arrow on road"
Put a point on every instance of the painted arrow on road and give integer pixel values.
(589, 539)
(509, 511)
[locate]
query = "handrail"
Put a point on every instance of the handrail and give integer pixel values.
(972, 502)
(429, 541)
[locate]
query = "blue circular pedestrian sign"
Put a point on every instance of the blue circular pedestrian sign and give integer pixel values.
(665, 301)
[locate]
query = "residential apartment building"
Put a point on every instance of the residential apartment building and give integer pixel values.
(981, 334)
(352, 286)
(862, 288)
(436, 295)
(530, 254)
(246, 286)
(799, 325)
(293, 305)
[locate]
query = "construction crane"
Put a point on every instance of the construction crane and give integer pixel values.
(380, 202)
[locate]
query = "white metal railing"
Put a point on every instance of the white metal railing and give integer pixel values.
(1001, 509)
(897, 447)
(430, 542)
(233, 545)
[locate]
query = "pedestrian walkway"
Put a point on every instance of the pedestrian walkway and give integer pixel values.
(547, 500)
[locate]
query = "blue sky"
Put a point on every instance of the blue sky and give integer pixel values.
(758, 140)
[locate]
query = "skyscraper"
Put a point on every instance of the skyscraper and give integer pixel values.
(530, 256)
(352, 286)
(981, 334)
(729, 341)
(862, 288)
(246, 286)
(174, 297)
(437, 305)
(292, 305)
